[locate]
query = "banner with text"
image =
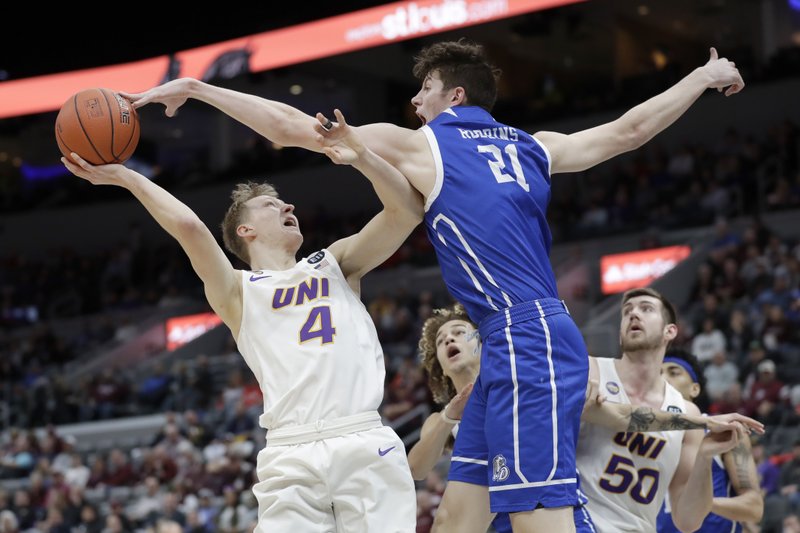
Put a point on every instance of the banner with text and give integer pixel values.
(620, 272)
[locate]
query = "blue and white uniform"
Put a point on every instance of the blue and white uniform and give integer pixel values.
(486, 217)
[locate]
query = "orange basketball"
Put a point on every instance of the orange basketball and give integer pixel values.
(99, 125)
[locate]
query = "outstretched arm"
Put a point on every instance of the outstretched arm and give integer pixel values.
(402, 205)
(433, 437)
(639, 418)
(222, 283)
(278, 122)
(585, 149)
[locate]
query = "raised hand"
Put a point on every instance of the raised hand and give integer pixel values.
(172, 94)
(339, 141)
(723, 74)
(455, 408)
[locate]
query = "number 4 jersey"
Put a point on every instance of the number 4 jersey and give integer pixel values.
(486, 214)
(626, 476)
(310, 342)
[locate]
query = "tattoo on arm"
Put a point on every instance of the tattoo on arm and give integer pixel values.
(645, 419)
(741, 460)
(641, 419)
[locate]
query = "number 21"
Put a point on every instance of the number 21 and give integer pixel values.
(499, 164)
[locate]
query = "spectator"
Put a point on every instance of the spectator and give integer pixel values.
(77, 475)
(720, 375)
(708, 342)
(233, 515)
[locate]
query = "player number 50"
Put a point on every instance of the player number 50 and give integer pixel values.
(499, 164)
(622, 473)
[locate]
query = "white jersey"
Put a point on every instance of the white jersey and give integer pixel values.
(310, 342)
(626, 476)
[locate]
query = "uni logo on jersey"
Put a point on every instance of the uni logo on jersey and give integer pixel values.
(612, 387)
(674, 409)
(500, 471)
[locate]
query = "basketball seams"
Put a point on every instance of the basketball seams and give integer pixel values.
(111, 117)
(82, 128)
(62, 141)
(80, 123)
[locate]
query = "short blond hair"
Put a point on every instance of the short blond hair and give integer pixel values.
(441, 386)
(233, 217)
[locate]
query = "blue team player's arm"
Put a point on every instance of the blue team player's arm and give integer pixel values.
(748, 504)
(587, 148)
(402, 205)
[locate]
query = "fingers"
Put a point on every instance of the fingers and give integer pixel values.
(323, 126)
(713, 53)
(332, 154)
(749, 423)
(137, 99)
(80, 161)
(340, 117)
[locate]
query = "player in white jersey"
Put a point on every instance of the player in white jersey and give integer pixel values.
(450, 348)
(626, 475)
(329, 463)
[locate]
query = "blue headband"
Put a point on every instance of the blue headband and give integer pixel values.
(683, 364)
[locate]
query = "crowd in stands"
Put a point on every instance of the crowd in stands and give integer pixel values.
(742, 321)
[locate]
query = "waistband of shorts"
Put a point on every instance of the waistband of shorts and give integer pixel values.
(323, 429)
(520, 313)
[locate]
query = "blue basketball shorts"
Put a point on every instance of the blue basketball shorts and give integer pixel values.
(519, 430)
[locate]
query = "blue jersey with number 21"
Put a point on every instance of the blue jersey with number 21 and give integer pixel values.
(486, 213)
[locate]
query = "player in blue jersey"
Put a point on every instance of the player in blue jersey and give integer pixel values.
(737, 497)
(486, 187)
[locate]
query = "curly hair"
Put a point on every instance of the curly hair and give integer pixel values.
(461, 64)
(441, 386)
(233, 217)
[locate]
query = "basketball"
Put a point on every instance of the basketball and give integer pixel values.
(99, 125)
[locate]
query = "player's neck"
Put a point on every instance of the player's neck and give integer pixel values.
(640, 373)
(464, 378)
(262, 258)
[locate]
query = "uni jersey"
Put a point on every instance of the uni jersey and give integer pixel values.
(486, 214)
(310, 342)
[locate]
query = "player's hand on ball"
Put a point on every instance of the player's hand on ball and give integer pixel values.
(95, 174)
(172, 94)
